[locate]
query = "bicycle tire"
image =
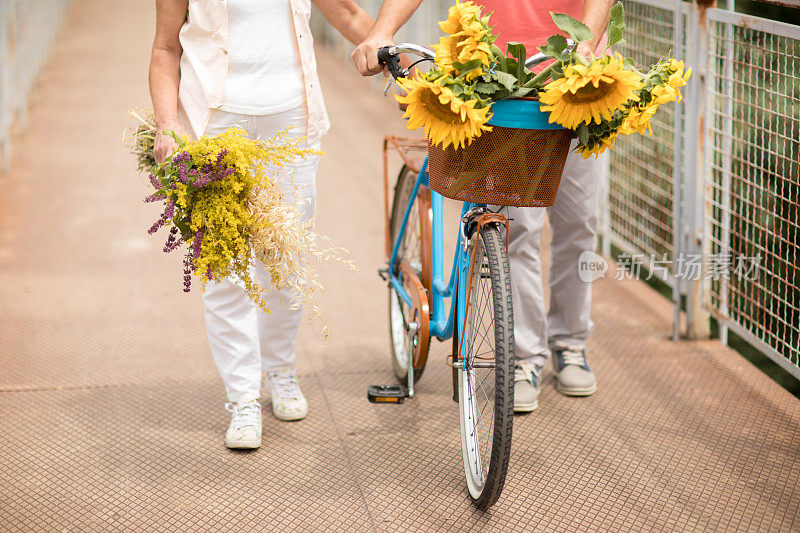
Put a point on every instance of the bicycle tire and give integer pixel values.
(489, 311)
(414, 250)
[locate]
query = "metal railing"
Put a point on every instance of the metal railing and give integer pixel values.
(710, 202)
(27, 31)
(753, 181)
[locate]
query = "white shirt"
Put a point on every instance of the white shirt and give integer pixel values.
(205, 38)
(264, 74)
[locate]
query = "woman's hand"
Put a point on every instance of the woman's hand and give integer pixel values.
(164, 144)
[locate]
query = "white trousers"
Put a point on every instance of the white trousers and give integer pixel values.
(573, 221)
(245, 340)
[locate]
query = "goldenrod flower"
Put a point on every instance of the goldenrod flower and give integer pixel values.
(447, 119)
(590, 94)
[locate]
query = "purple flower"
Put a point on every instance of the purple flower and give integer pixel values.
(169, 211)
(183, 174)
(156, 225)
(172, 241)
(182, 157)
(197, 243)
(154, 182)
(187, 273)
(154, 197)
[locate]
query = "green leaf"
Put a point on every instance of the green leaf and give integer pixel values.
(518, 51)
(583, 133)
(486, 87)
(522, 91)
(499, 56)
(572, 27)
(468, 66)
(555, 46)
(629, 63)
(616, 23)
(506, 80)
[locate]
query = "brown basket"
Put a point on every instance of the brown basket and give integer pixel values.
(505, 166)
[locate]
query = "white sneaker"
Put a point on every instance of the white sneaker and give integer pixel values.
(288, 402)
(245, 429)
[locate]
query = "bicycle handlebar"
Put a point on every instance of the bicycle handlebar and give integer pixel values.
(388, 55)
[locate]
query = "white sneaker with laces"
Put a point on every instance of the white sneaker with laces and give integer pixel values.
(245, 429)
(288, 402)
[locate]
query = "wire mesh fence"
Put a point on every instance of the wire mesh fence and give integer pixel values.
(27, 31)
(641, 189)
(753, 169)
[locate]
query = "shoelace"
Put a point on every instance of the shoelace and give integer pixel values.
(244, 415)
(527, 372)
(284, 385)
(573, 356)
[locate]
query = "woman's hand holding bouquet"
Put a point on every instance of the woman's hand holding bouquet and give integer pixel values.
(221, 200)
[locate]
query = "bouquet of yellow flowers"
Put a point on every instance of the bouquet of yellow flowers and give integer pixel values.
(598, 98)
(221, 200)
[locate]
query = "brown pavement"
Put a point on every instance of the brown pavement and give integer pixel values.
(111, 412)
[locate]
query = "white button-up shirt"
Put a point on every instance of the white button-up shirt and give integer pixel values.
(205, 40)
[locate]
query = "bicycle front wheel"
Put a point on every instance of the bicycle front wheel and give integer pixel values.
(485, 372)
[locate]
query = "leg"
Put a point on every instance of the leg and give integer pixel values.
(231, 316)
(530, 327)
(524, 240)
(574, 222)
(233, 337)
(277, 330)
(573, 219)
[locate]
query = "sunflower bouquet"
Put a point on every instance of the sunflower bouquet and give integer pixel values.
(598, 98)
(222, 202)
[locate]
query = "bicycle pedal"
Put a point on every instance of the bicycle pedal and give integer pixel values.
(386, 393)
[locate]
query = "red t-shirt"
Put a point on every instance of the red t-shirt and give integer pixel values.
(527, 21)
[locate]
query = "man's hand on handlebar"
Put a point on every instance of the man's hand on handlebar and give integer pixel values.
(365, 56)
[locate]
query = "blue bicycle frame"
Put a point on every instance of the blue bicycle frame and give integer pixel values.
(505, 113)
(441, 323)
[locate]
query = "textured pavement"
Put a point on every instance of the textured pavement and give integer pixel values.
(111, 412)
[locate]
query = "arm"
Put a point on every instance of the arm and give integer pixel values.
(347, 17)
(165, 73)
(393, 14)
(595, 16)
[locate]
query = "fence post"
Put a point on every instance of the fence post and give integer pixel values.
(695, 186)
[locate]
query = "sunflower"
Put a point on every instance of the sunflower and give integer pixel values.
(638, 120)
(593, 93)
(447, 119)
(462, 47)
(597, 146)
(459, 16)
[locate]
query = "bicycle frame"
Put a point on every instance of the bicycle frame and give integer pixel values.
(441, 320)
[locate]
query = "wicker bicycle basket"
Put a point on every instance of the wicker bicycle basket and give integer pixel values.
(519, 163)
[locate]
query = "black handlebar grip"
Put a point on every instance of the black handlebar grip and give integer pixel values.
(391, 61)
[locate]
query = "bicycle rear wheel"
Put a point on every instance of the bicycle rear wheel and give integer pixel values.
(415, 249)
(485, 373)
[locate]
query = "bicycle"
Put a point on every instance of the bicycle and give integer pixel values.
(480, 316)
